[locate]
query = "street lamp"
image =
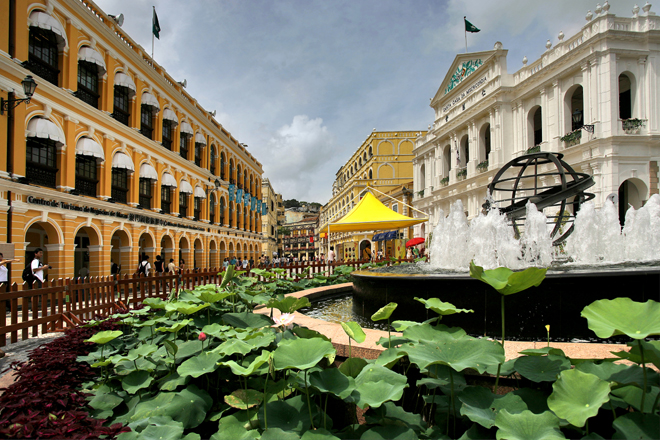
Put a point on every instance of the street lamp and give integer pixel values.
(29, 86)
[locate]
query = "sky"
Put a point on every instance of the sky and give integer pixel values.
(304, 82)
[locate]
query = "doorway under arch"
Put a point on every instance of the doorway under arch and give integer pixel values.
(632, 193)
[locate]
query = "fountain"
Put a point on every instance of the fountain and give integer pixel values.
(592, 259)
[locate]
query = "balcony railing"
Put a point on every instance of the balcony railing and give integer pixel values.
(86, 187)
(119, 195)
(41, 176)
(88, 97)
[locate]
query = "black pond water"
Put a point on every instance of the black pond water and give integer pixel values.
(338, 309)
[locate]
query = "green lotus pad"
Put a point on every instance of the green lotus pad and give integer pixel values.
(623, 316)
(577, 396)
(506, 281)
(527, 426)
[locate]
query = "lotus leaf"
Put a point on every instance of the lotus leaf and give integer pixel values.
(229, 274)
(278, 434)
(543, 351)
(287, 415)
(461, 353)
(99, 364)
(638, 426)
(233, 346)
(244, 399)
(428, 332)
(390, 412)
(188, 348)
(188, 406)
(536, 401)
(199, 365)
(442, 308)
(619, 373)
(212, 296)
(154, 303)
(384, 312)
(215, 330)
(288, 304)
(651, 352)
(476, 432)
(162, 432)
(482, 406)
(105, 402)
(171, 347)
(174, 328)
(576, 396)
(332, 381)
(185, 308)
(319, 434)
(235, 432)
(392, 342)
(506, 281)
(527, 426)
(376, 384)
(352, 367)
(402, 325)
(632, 395)
(105, 336)
(254, 364)
(541, 368)
(172, 381)
(506, 369)
(135, 381)
(141, 425)
(390, 432)
(623, 316)
(305, 333)
(389, 357)
(354, 331)
(246, 320)
(302, 354)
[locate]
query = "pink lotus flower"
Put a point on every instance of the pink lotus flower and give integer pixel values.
(202, 336)
(284, 320)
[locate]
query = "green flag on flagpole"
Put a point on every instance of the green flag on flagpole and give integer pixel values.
(469, 27)
(156, 27)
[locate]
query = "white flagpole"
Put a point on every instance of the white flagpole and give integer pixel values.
(464, 18)
(152, 32)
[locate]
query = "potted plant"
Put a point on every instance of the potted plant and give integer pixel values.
(444, 181)
(482, 166)
(534, 149)
(632, 125)
(572, 138)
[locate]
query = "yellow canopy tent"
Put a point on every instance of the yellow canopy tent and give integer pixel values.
(371, 215)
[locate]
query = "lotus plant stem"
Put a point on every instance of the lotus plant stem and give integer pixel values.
(655, 404)
(586, 426)
(247, 407)
(499, 366)
(389, 337)
(325, 411)
(349, 348)
(641, 352)
(614, 412)
(266, 398)
(453, 404)
(309, 405)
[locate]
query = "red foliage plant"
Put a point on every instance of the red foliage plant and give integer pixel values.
(45, 401)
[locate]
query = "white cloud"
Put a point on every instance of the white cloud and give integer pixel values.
(298, 156)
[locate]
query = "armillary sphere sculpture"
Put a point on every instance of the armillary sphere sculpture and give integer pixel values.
(544, 179)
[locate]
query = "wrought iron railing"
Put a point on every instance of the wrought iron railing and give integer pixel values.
(41, 176)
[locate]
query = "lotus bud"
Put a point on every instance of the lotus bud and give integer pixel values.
(202, 336)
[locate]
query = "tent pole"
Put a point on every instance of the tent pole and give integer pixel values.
(404, 204)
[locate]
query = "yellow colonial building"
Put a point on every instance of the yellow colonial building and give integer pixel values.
(112, 158)
(384, 162)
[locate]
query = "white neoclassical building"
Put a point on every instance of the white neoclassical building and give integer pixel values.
(594, 97)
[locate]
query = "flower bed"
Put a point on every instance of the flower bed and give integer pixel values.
(45, 401)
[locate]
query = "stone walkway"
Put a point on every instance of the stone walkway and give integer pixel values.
(19, 351)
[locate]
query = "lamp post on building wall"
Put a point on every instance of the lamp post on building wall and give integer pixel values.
(9, 104)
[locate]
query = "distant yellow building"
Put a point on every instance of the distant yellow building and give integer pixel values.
(384, 162)
(112, 158)
(269, 224)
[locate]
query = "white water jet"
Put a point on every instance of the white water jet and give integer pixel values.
(490, 242)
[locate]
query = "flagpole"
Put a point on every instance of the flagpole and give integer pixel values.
(465, 18)
(152, 34)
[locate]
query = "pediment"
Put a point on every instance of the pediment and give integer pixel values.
(463, 67)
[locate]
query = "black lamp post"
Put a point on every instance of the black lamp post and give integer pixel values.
(29, 86)
(577, 119)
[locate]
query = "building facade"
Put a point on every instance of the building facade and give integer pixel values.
(112, 158)
(384, 162)
(269, 220)
(593, 97)
(301, 239)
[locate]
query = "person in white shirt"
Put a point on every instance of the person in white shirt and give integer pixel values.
(38, 267)
(245, 263)
(4, 272)
(145, 263)
(331, 255)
